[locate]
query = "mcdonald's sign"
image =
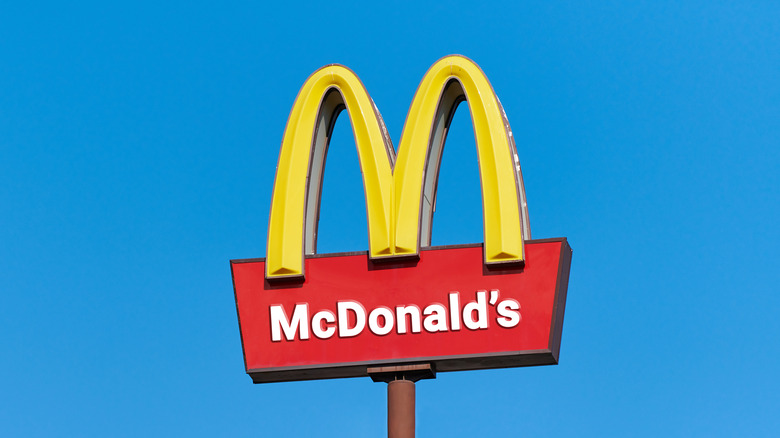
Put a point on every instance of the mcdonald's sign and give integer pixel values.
(304, 315)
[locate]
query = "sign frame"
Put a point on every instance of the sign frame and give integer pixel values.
(547, 356)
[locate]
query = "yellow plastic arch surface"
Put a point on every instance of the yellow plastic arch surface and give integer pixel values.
(498, 172)
(285, 229)
(394, 196)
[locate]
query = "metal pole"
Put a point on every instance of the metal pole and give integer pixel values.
(400, 409)
(400, 394)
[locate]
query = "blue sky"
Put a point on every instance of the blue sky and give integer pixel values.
(138, 143)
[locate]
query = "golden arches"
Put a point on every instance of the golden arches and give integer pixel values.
(399, 194)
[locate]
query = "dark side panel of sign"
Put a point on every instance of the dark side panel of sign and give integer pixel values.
(446, 309)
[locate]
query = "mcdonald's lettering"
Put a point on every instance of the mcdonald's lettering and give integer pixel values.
(352, 318)
(500, 303)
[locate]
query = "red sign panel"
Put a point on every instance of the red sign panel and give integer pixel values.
(447, 309)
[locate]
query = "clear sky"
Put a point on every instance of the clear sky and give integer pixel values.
(138, 143)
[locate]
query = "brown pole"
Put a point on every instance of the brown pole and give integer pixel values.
(400, 409)
(400, 394)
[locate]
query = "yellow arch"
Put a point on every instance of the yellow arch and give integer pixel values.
(448, 82)
(399, 195)
(319, 101)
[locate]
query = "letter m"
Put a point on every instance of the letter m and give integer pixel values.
(400, 193)
(280, 323)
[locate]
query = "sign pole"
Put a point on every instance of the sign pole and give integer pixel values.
(400, 409)
(401, 395)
